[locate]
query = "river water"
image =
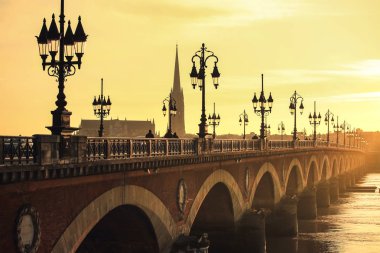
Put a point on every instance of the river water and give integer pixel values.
(351, 225)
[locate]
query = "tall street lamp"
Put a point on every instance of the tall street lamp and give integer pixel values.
(172, 111)
(281, 129)
(53, 42)
(214, 121)
(349, 134)
(243, 121)
(198, 78)
(329, 116)
(102, 108)
(337, 130)
(267, 127)
(265, 107)
(293, 110)
(344, 128)
(315, 121)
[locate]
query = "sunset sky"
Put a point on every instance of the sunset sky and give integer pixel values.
(327, 50)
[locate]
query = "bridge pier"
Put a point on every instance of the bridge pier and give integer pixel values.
(323, 195)
(283, 221)
(342, 183)
(251, 232)
(334, 189)
(307, 204)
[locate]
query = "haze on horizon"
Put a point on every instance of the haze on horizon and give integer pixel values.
(327, 50)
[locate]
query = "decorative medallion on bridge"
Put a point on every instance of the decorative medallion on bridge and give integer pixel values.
(28, 230)
(181, 195)
(246, 180)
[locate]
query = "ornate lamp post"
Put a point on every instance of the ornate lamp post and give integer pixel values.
(329, 116)
(267, 127)
(293, 110)
(281, 129)
(198, 78)
(265, 107)
(315, 121)
(214, 121)
(243, 121)
(349, 134)
(170, 101)
(337, 130)
(344, 128)
(102, 108)
(54, 42)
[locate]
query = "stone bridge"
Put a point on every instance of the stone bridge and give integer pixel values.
(147, 195)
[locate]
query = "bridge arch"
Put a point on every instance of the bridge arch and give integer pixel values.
(312, 172)
(217, 177)
(159, 217)
(267, 169)
(294, 179)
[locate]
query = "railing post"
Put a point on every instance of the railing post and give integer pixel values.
(166, 147)
(181, 146)
(130, 148)
(78, 149)
(107, 152)
(46, 149)
(150, 148)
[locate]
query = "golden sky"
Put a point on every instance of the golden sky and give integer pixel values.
(327, 50)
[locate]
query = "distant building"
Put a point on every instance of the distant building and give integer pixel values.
(178, 122)
(117, 128)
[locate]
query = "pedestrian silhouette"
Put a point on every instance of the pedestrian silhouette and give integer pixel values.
(149, 134)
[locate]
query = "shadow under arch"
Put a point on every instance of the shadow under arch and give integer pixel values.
(324, 169)
(162, 222)
(334, 171)
(294, 179)
(341, 166)
(266, 168)
(218, 176)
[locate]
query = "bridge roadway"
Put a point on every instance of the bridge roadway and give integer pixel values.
(147, 195)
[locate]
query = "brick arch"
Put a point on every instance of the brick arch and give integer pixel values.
(313, 159)
(325, 160)
(297, 164)
(162, 221)
(218, 176)
(266, 167)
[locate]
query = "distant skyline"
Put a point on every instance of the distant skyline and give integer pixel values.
(329, 51)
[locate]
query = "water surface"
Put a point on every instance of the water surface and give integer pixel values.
(351, 225)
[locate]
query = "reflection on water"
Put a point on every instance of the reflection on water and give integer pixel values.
(350, 225)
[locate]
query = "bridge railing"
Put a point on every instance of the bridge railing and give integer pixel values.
(45, 149)
(322, 143)
(17, 150)
(305, 144)
(279, 144)
(126, 148)
(234, 145)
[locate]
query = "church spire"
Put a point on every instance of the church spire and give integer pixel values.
(176, 81)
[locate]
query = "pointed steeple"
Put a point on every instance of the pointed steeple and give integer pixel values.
(176, 81)
(178, 122)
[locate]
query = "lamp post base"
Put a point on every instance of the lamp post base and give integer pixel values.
(203, 130)
(61, 123)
